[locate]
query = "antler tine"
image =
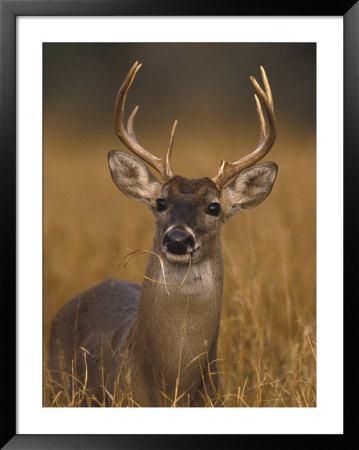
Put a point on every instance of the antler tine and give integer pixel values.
(170, 145)
(127, 135)
(261, 120)
(228, 170)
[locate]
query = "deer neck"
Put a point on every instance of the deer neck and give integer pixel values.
(173, 341)
(179, 300)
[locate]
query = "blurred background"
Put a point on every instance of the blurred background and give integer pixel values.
(267, 338)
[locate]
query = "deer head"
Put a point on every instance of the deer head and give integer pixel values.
(190, 211)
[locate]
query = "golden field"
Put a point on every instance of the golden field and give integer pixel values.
(267, 344)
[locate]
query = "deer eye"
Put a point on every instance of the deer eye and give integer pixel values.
(161, 204)
(214, 209)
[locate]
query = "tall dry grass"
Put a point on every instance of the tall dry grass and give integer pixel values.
(267, 343)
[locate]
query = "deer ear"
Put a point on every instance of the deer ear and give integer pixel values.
(250, 187)
(132, 177)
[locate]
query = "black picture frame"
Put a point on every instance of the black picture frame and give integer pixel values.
(9, 10)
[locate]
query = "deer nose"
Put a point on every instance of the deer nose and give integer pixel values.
(178, 242)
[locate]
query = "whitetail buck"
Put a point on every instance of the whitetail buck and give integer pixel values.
(157, 345)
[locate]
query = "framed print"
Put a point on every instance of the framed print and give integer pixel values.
(231, 338)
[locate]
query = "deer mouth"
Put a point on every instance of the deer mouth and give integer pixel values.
(186, 258)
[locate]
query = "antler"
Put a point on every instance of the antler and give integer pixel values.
(128, 137)
(228, 170)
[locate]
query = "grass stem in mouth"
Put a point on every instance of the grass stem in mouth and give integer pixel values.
(127, 258)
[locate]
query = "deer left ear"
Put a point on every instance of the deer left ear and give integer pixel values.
(250, 187)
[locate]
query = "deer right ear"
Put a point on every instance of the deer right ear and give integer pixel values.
(132, 177)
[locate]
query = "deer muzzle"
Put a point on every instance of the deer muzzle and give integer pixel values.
(178, 241)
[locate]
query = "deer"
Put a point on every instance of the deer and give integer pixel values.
(156, 344)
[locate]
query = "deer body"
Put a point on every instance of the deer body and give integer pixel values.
(157, 345)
